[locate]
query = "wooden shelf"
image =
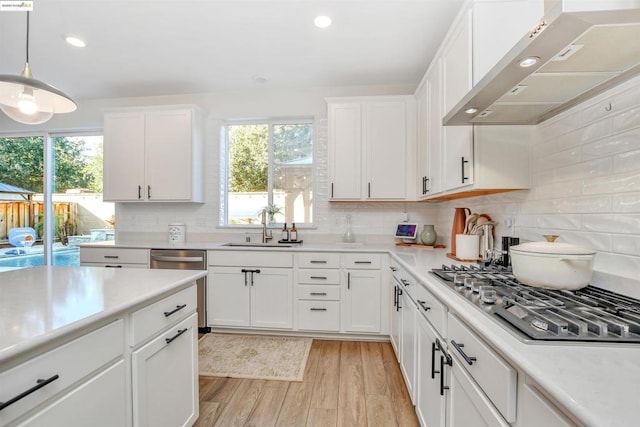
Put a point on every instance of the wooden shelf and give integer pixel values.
(418, 245)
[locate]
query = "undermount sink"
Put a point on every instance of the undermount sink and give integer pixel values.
(257, 245)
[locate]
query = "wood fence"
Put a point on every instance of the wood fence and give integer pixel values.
(29, 214)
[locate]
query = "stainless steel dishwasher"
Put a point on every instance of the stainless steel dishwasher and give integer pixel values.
(182, 259)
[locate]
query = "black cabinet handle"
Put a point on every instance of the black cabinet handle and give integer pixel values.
(318, 277)
(393, 268)
(139, 192)
(395, 296)
(442, 363)
(424, 306)
(433, 360)
(405, 282)
(468, 359)
(318, 261)
(348, 280)
(462, 162)
(362, 262)
(148, 192)
(398, 306)
(39, 384)
(317, 309)
(175, 310)
(111, 256)
(332, 190)
(180, 332)
(320, 294)
(369, 190)
(113, 266)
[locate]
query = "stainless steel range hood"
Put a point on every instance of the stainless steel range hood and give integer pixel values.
(582, 52)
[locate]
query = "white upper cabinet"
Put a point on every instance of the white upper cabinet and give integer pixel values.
(465, 161)
(371, 148)
(153, 155)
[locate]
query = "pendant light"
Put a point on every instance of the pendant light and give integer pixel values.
(30, 101)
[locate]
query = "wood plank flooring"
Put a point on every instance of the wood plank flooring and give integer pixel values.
(345, 383)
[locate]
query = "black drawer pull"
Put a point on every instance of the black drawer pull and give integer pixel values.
(424, 306)
(180, 332)
(405, 282)
(319, 277)
(442, 363)
(393, 268)
(317, 309)
(178, 308)
(113, 266)
(318, 294)
(362, 262)
(39, 384)
(468, 359)
(111, 256)
(313, 261)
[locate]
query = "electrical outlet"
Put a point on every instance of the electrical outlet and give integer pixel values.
(404, 217)
(509, 221)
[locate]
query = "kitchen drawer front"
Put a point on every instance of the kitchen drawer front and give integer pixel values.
(432, 309)
(319, 315)
(113, 265)
(70, 362)
(365, 261)
(495, 376)
(319, 292)
(114, 256)
(327, 277)
(319, 260)
(250, 258)
(157, 316)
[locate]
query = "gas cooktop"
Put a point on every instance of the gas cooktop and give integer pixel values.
(590, 314)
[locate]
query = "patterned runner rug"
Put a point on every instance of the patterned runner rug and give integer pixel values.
(252, 356)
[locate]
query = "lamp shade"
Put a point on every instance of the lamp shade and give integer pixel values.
(30, 101)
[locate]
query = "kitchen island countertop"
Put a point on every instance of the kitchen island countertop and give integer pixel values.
(40, 305)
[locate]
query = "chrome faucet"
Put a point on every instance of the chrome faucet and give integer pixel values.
(266, 234)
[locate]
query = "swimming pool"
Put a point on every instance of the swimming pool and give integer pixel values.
(67, 257)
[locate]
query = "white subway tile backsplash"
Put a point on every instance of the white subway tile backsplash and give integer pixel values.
(619, 183)
(617, 264)
(558, 190)
(627, 244)
(561, 158)
(591, 168)
(627, 119)
(558, 222)
(629, 202)
(580, 205)
(618, 143)
(611, 223)
(629, 161)
(539, 206)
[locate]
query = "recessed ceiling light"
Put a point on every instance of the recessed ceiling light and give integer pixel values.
(471, 110)
(322, 21)
(528, 62)
(75, 41)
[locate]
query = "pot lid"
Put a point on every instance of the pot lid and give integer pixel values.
(552, 248)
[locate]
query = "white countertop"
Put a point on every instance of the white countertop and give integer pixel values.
(596, 382)
(41, 304)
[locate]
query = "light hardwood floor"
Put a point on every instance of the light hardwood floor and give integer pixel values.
(345, 384)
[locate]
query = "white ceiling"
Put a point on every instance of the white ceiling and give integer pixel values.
(162, 47)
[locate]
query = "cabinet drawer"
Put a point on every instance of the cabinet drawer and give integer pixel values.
(113, 265)
(114, 256)
(155, 317)
(70, 362)
(368, 261)
(432, 309)
(319, 315)
(495, 376)
(318, 292)
(319, 260)
(329, 277)
(250, 258)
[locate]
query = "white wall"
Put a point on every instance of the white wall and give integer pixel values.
(586, 183)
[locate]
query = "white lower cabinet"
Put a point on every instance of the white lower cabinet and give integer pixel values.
(250, 297)
(432, 376)
(99, 402)
(535, 410)
(363, 293)
(114, 257)
(165, 377)
(318, 292)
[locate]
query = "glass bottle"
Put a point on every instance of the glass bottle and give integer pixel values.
(285, 233)
(347, 236)
(293, 233)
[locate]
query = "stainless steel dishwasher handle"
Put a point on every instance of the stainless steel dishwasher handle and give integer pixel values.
(177, 258)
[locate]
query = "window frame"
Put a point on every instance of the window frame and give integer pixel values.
(224, 165)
